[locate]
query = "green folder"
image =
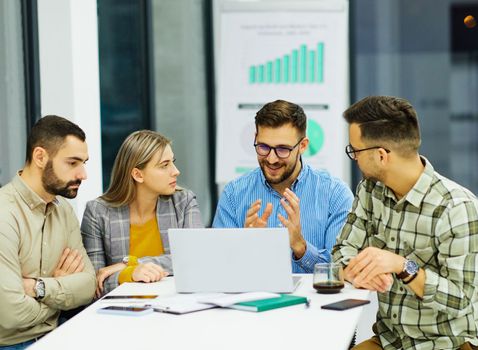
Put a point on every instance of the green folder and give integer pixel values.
(269, 304)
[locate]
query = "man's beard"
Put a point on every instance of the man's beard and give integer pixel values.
(55, 186)
(288, 171)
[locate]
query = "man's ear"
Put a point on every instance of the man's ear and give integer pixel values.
(303, 145)
(40, 157)
(137, 175)
(384, 156)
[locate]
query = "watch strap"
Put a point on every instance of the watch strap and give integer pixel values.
(411, 279)
(402, 275)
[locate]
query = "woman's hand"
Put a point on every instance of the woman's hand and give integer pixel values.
(148, 272)
(104, 273)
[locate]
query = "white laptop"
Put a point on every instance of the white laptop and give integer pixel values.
(231, 260)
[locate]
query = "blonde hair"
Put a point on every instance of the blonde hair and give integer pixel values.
(135, 152)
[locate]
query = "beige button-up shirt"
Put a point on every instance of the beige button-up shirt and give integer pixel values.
(33, 235)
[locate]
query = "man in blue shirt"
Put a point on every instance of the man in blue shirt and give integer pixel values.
(285, 192)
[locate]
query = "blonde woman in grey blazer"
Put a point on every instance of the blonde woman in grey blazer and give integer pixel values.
(143, 187)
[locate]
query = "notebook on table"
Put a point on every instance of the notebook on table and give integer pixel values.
(232, 260)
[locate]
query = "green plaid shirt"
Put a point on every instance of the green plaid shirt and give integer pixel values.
(436, 225)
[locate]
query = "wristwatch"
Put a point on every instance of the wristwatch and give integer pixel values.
(130, 260)
(39, 289)
(410, 268)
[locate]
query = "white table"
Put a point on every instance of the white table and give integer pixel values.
(295, 327)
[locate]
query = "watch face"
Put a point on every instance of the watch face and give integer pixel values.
(411, 267)
(40, 289)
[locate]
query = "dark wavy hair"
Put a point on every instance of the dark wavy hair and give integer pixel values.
(278, 113)
(390, 121)
(50, 133)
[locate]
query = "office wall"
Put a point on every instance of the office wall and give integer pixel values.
(404, 48)
(12, 91)
(181, 91)
(69, 77)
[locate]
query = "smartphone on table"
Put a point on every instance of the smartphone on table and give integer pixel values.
(112, 297)
(345, 304)
(125, 310)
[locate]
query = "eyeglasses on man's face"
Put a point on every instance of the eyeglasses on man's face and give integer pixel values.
(352, 152)
(281, 152)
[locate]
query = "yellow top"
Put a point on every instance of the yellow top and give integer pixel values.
(144, 240)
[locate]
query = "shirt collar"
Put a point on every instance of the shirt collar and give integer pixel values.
(32, 199)
(416, 195)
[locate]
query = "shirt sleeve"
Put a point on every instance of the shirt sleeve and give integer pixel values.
(18, 309)
(126, 275)
(341, 199)
(226, 216)
(357, 227)
(192, 214)
(92, 235)
(71, 291)
(451, 289)
(92, 232)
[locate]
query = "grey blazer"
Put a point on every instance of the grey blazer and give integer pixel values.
(105, 230)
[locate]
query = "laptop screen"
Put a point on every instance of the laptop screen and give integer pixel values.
(231, 260)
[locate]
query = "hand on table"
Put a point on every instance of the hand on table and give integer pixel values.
(148, 272)
(372, 262)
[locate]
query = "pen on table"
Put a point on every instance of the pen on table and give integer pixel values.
(307, 303)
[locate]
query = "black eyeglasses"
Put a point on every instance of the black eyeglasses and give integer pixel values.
(352, 152)
(281, 151)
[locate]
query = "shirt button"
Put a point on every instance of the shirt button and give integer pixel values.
(31, 206)
(394, 315)
(44, 272)
(401, 289)
(392, 239)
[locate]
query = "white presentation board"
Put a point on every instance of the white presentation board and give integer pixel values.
(291, 50)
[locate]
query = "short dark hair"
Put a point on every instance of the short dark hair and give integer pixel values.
(278, 113)
(390, 120)
(50, 133)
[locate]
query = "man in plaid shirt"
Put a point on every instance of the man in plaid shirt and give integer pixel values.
(412, 235)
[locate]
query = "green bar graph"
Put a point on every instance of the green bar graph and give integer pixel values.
(269, 72)
(252, 74)
(299, 66)
(277, 70)
(303, 63)
(320, 63)
(260, 78)
(295, 65)
(286, 69)
(311, 66)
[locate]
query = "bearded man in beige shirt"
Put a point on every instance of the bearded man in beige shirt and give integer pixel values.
(44, 268)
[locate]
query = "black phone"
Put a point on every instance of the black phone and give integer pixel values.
(345, 304)
(107, 297)
(125, 310)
